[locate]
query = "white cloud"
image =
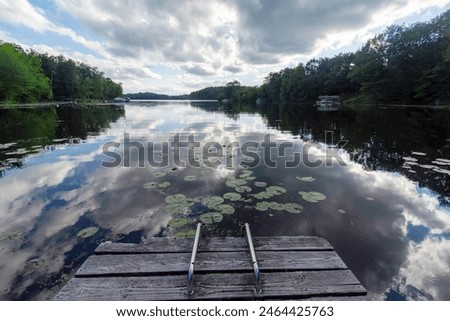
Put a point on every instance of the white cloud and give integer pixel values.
(21, 12)
(216, 40)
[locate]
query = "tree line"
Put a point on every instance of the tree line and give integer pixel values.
(29, 76)
(403, 64)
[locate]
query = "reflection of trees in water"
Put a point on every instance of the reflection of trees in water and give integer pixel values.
(33, 128)
(378, 138)
(88, 121)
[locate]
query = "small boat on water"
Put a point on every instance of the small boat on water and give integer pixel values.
(328, 103)
(121, 100)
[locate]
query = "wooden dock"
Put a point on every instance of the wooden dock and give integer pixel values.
(290, 268)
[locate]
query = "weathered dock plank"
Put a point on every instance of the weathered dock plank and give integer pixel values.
(171, 263)
(217, 244)
(290, 268)
(215, 286)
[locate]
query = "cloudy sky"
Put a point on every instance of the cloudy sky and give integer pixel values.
(173, 47)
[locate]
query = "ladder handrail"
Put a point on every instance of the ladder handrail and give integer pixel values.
(256, 273)
(190, 287)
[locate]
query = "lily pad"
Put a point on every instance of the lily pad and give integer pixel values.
(88, 232)
(235, 182)
(178, 222)
(171, 170)
(9, 235)
(370, 198)
(150, 185)
(164, 185)
(176, 198)
(190, 178)
(232, 196)
(225, 209)
(260, 184)
(213, 201)
(262, 195)
(175, 208)
(211, 218)
(312, 197)
(293, 208)
(250, 178)
(306, 178)
(276, 206)
(276, 190)
(342, 211)
(159, 174)
(262, 206)
(243, 189)
(188, 233)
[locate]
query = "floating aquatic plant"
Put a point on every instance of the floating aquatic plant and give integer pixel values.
(164, 185)
(213, 201)
(260, 184)
(150, 185)
(261, 195)
(235, 182)
(225, 209)
(276, 190)
(312, 197)
(175, 208)
(12, 235)
(159, 174)
(250, 178)
(276, 206)
(370, 198)
(178, 222)
(171, 170)
(188, 233)
(88, 232)
(176, 198)
(262, 206)
(232, 196)
(341, 211)
(293, 208)
(211, 218)
(306, 178)
(190, 178)
(244, 167)
(243, 189)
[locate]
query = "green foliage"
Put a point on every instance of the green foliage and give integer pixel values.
(21, 76)
(401, 65)
(72, 80)
(28, 76)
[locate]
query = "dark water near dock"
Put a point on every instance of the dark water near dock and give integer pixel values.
(386, 212)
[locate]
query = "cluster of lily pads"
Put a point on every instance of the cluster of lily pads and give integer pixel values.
(212, 209)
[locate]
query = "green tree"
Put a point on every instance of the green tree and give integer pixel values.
(21, 76)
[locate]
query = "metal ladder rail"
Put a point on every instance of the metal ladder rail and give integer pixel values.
(190, 286)
(256, 273)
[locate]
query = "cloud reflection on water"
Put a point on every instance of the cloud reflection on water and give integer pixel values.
(50, 200)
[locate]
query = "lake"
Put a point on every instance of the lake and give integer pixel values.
(373, 181)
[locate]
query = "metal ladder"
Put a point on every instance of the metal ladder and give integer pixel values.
(256, 272)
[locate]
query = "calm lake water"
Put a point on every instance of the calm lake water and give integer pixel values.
(383, 199)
